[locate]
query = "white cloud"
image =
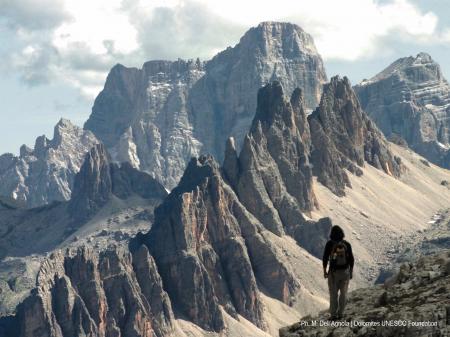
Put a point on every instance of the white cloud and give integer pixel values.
(345, 29)
(86, 38)
(33, 15)
(94, 22)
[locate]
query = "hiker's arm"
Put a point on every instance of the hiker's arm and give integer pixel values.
(351, 259)
(326, 256)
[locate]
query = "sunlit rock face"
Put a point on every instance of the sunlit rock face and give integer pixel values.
(344, 138)
(45, 173)
(86, 293)
(411, 99)
(160, 116)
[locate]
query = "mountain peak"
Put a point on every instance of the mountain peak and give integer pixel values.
(197, 170)
(343, 137)
(205, 102)
(424, 58)
(284, 37)
(272, 105)
(64, 122)
(62, 128)
(410, 99)
(424, 69)
(265, 25)
(92, 185)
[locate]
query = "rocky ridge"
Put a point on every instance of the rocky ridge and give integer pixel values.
(109, 204)
(98, 183)
(417, 298)
(160, 116)
(411, 99)
(99, 180)
(343, 137)
(213, 255)
(272, 175)
(215, 252)
(45, 173)
(210, 230)
(83, 292)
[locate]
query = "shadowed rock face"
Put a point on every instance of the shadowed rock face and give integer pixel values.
(99, 180)
(84, 293)
(272, 175)
(93, 186)
(343, 137)
(211, 251)
(96, 185)
(160, 116)
(411, 99)
(45, 174)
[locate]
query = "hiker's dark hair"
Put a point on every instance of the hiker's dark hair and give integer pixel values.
(336, 233)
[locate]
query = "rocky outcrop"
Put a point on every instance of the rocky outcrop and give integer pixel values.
(212, 252)
(98, 184)
(85, 293)
(415, 302)
(226, 95)
(93, 185)
(211, 236)
(272, 175)
(142, 117)
(45, 174)
(99, 180)
(343, 138)
(411, 99)
(160, 116)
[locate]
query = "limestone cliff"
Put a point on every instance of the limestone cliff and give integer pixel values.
(343, 137)
(45, 173)
(411, 99)
(160, 116)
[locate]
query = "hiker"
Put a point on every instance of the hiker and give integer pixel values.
(338, 253)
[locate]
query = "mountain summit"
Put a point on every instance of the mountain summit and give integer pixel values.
(411, 99)
(160, 116)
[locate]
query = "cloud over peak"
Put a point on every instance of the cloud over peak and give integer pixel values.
(78, 41)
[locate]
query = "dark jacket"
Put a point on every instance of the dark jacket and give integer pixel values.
(327, 253)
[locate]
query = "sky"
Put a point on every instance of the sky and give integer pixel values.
(55, 54)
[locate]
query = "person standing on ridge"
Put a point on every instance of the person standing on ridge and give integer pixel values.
(338, 253)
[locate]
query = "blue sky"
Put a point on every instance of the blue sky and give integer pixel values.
(56, 53)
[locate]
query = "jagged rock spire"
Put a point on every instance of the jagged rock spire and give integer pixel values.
(343, 137)
(45, 174)
(92, 186)
(98, 180)
(274, 170)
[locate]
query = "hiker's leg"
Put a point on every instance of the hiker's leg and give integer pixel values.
(333, 289)
(343, 288)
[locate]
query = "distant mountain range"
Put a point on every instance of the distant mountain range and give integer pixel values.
(158, 117)
(45, 173)
(261, 156)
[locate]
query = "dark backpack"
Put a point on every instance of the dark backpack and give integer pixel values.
(338, 256)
